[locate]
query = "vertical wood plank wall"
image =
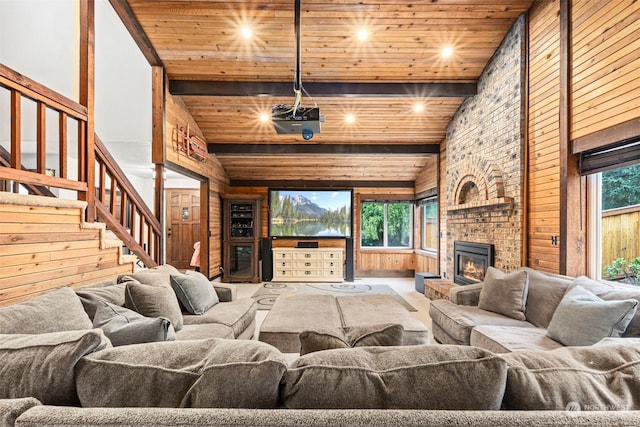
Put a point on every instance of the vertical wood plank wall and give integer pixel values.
(605, 92)
(543, 216)
(606, 65)
(45, 244)
(177, 115)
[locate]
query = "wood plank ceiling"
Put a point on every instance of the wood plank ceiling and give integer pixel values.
(210, 64)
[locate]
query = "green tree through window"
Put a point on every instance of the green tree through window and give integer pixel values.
(621, 187)
(387, 224)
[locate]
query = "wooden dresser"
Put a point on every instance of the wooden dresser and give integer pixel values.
(308, 265)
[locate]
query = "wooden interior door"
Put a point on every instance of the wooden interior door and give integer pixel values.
(183, 220)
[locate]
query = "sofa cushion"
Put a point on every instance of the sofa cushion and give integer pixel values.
(505, 339)
(42, 365)
(596, 378)
(582, 318)
(387, 334)
(194, 291)
(153, 301)
(356, 311)
(505, 293)
(123, 326)
(544, 295)
(457, 321)
(609, 291)
(417, 377)
(238, 315)
(92, 297)
(199, 373)
(204, 331)
(309, 311)
(53, 311)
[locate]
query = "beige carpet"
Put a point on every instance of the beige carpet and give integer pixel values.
(267, 294)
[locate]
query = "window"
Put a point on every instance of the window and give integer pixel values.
(386, 224)
(615, 225)
(430, 224)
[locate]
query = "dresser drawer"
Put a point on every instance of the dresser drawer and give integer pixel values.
(332, 264)
(307, 273)
(332, 255)
(303, 265)
(307, 256)
(282, 273)
(332, 272)
(277, 255)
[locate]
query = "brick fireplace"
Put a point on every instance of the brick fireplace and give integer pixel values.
(482, 174)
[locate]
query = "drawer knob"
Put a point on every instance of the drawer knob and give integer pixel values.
(307, 264)
(307, 255)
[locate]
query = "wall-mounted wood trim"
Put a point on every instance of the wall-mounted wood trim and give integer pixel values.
(572, 191)
(525, 151)
(128, 18)
(321, 184)
(348, 149)
(323, 89)
(617, 133)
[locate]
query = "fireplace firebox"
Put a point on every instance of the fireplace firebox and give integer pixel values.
(471, 261)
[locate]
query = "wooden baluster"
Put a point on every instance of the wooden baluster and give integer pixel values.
(62, 144)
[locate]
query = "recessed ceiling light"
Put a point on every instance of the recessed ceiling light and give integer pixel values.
(418, 107)
(349, 118)
(246, 32)
(447, 51)
(363, 34)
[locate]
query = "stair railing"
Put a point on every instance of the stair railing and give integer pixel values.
(117, 203)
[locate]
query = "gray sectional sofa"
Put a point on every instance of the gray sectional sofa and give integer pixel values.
(56, 368)
(531, 310)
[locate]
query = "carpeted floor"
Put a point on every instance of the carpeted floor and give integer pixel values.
(267, 294)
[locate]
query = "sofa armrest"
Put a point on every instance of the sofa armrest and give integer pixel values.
(465, 295)
(11, 409)
(226, 291)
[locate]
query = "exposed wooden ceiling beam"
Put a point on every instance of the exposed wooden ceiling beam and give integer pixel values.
(323, 89)
(350, 149)
(321, 184)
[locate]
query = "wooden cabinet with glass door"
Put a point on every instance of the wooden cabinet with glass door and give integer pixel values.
(241, 238)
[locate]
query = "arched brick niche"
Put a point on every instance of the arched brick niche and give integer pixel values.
(481, 185)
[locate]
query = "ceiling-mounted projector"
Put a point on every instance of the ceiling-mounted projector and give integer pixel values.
(287, 121)
(292, 119)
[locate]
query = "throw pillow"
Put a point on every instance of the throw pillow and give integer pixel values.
(123, 326)
(194, 291)
(42, 365)
(583, 318)
(403, 377)
(505, 293)
(158, 276)
(92, 297)
(213, 373)
(322, 339)
(594, 378)
(609, 291)
(153, 301)
(387, 334)
(54, 311)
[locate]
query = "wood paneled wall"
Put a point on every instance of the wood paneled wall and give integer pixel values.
(606, 65)
(44, 244)
(543, 215)
(604, 92)
(368, 261)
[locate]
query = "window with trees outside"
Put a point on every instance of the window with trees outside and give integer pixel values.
(616, 224)
(386, 224)
(430, 224)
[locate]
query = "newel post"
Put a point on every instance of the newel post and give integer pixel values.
(87, 161)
